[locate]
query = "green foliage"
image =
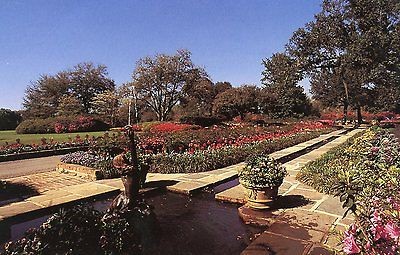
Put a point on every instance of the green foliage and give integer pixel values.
(361, 169)
(289, 101)
(36, 126)
(365, 174)
(83, 230)
(66, 92)
(204, 121)
(237, 102)
(282, 97)
(69, 105)
(61, 124)
(350, 51)
(162, 81)
(262, 172)
(42, 97)
(87, 81)
(9, 119)
(323, 173)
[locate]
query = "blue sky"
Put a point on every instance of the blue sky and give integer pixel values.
(229, 38)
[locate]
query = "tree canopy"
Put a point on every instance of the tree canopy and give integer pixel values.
(237, 101)
(9, 119)
(350, 51)
(163, 80)
(70, 91)
(282, 97)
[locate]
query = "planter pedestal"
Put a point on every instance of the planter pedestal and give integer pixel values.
(261, 199)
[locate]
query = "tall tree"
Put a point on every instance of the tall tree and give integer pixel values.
(199, 99)
(69, 105)
(106, 105)
(281, 96)
(354, 41)
(88, 80)
(162, 81)
(42, 97)
(237, 101)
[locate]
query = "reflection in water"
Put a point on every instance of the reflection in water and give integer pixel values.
(188, 225)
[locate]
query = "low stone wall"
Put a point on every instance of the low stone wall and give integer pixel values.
(38, 154)
(78, 170)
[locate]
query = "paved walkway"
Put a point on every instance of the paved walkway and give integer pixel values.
(306, 221)
(24, 167)
(46, 181)
(307, 227)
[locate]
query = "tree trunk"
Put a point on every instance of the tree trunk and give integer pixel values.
(346, 101)
(345, 109)
(359, 116)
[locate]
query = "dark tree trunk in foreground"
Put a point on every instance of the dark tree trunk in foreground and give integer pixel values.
(359, 116)
(345, 110)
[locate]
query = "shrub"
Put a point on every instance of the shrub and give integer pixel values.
(204, 121)
(83, 230)
(62, 124)
(262, 172)
(78, 124)
(9, 119)
(36, 126)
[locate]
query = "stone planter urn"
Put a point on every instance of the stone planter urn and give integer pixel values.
(261, 198)
(261, 178)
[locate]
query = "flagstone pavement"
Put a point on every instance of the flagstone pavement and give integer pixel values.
(307, 228)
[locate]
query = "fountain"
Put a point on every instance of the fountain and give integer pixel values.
(130, 176)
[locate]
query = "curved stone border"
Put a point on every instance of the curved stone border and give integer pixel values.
(38, 154)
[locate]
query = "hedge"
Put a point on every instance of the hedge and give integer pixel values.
(62, 124)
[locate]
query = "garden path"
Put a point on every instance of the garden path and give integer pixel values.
(306, 227)
(23, 167)
(304, 220)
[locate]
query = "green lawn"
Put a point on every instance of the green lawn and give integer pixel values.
(10, 136)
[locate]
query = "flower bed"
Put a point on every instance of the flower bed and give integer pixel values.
(218, 136)
(199, 160)
(206, 160)
(365, 173)
(17, 148)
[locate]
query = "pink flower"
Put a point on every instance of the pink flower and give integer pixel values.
(392, 230)
(379, 232)
(350, 245)
(376, 217)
